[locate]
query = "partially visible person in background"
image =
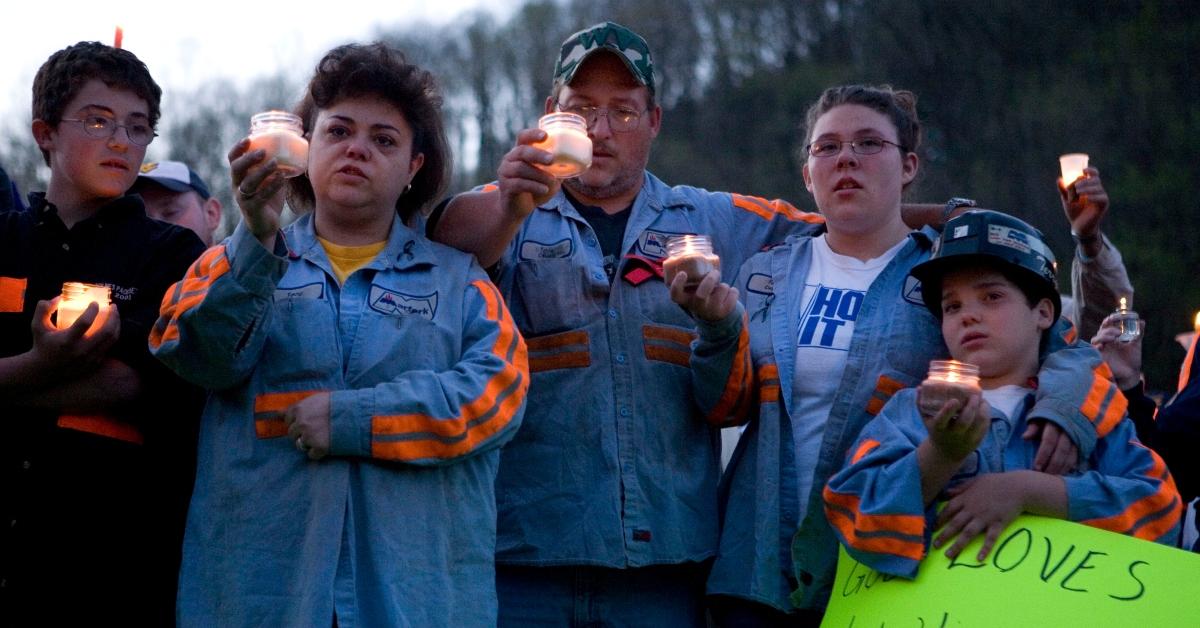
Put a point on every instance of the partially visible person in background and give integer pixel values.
(1172, 430)
(10, 196)
(1098, 276)
(174, 193)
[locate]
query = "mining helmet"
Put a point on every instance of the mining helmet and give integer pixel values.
(991, 238)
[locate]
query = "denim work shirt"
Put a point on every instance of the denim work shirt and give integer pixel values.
(783, 554)
(396, 526)
(615, 465)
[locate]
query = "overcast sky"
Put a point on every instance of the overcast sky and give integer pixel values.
(181, 46)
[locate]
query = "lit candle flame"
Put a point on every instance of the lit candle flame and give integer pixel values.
(1123, 307)
(117, 37)
(1196, 322)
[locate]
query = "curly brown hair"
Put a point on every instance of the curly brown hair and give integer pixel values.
(66, 72)
(375, 70)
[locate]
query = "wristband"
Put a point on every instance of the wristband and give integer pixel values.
(953, 204)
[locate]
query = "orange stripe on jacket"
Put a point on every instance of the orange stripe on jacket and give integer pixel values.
(1185, 371)
(187, 293)
(572, 360)
(554, 341)
(768, 209)
(12, 294)
(885, 387)
(1093, 405)
(1167, 496)
(851, 527)
(269, 409)
(911, 525)
(680, 336)
(768, 378)
(734, 400)
(459, 428)
(101, 425)
(667, 354)
(864, 448)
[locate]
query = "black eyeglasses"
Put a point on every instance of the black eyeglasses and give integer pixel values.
(102, 128)
(620, 119)
(860, 146)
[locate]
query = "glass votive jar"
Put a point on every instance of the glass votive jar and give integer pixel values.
(75, 299)
(691, 255)
(948, 379)
(1127, 322)
(567, 140)
(1072, 165)
(281, 135)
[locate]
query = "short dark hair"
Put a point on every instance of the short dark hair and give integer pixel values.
(65, 73)
(899, 105)
(356, 70)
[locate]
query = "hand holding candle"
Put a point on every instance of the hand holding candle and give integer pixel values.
(1127, 321)
(76, 297)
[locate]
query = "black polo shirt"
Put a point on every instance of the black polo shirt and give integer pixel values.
(86, 518)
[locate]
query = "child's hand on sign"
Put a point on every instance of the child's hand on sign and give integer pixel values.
(988, 503)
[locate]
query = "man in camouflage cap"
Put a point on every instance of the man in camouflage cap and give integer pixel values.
(607, 496)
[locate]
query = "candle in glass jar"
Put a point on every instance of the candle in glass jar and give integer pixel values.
(948, 379)
(75, 299)
(567, 140)
(1127, 322)
(281, 135)
(691, 255)
(1072, 165)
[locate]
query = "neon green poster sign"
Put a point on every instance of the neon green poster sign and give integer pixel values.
(1042, 572)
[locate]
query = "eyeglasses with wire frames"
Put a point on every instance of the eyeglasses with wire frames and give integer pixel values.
(103, 127)
(620, 119)
(859, 146)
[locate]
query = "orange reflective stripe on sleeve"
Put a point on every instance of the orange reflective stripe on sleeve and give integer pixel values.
(101, 425)
(269, 409)
(885, 387)
(477, 419)
(768, 382)
(738, 386)
(12, 294)
(767, 210)
(864, 448)
(187, 293)
(1164, 505)
(871, 533)
(489, 187)
(1185, 371)
(1104, 405)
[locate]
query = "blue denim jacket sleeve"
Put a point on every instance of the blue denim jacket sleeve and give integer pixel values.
(874, 503)
(213, 323)
(1076, 390)
(430, 418)
(722, 373)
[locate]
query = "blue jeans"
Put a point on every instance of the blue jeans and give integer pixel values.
(664, 596)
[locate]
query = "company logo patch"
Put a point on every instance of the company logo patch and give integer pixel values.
(761, 283)
(912, 291)
(394, 303)
(654, 243)
(307, 291)
(531, 249)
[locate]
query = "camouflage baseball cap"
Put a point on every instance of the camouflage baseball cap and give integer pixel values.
(627, 45)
